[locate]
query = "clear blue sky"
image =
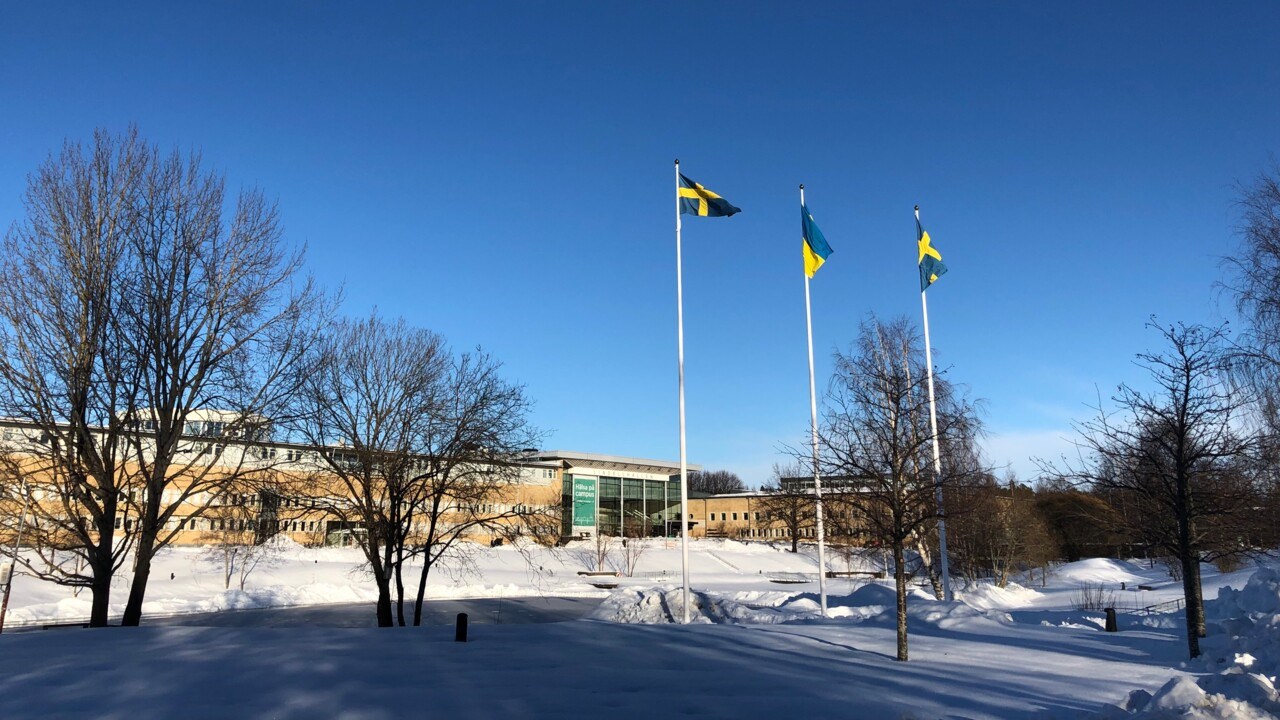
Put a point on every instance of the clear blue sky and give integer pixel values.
(501, 173)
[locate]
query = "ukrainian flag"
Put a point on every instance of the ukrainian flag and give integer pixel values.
(931, 267)
(815, 247)
(697, 200)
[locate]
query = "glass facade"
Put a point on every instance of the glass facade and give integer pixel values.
(625, 507)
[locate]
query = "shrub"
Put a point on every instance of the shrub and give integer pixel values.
(1094, 596)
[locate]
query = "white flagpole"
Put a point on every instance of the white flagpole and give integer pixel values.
(684, 469)
(813, 420)
(937, 454)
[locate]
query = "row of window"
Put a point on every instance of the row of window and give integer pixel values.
(711, 517)
(215, 428)
(238, 524)
(506, 508)
(723, 516)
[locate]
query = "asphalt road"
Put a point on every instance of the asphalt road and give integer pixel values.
(480, 611)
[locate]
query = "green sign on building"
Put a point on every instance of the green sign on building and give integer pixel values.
(584, 502)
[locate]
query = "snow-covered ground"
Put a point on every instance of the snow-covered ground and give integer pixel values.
(757, 648)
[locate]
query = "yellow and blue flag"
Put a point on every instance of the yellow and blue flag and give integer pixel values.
(697, 200)
(816, 250)
(931, 267)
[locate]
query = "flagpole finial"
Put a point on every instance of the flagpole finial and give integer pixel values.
(801, 186)
(677, 161)
(917, 207)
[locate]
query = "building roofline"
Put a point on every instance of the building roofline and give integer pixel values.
(584, 458)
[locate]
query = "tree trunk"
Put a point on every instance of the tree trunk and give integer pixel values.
(1201, 630)
(101, 590)
(141, 572)
(385, 618)
(1194, 614)
(1189, 560)
(399, 590)
(422, 588)
(935, 577)
(900, 582)
(101, 586)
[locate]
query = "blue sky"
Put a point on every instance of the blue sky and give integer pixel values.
(501, 173)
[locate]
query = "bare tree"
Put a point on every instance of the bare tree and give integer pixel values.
(370, 387)
(65, 365)
(788, 504)
(219, 320)
(469, 481)
(877, 436)
(1175, 451)
(998, 531)
(634, 546)
(1254, 281)
(715, 482)
(240, 536)
(422, 451)
(239, 554)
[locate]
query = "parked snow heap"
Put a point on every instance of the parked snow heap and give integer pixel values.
(1241, 653)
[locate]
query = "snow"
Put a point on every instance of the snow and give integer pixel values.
(987, 596)
(1240, 655)
(755, 649)
(1101, 570)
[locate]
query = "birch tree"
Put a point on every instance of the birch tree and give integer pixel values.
(877, 437)
(1175, 451)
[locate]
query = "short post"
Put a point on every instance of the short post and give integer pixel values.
(1111, 619)
(460, 631)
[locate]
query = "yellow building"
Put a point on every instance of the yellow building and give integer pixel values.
(575, 494)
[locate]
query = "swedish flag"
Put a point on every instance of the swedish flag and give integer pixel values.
(816, 250)
(697, 200)
(931, 267)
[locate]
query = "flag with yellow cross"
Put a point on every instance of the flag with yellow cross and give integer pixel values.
(697, 200)
(931, 267)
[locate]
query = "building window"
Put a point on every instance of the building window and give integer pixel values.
(735, 516)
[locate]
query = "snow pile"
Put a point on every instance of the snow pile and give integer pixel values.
(658, 605)
(765, 598)
(868, 602)
(1105, 571)
(1247, 621)
(1185, 699)
(1243, 654)
(871, 602)
(987, 596)
(953, 615)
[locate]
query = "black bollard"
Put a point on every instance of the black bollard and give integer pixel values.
(1111, 619)
(460, 632)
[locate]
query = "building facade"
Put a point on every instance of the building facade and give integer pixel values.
(575, 494)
